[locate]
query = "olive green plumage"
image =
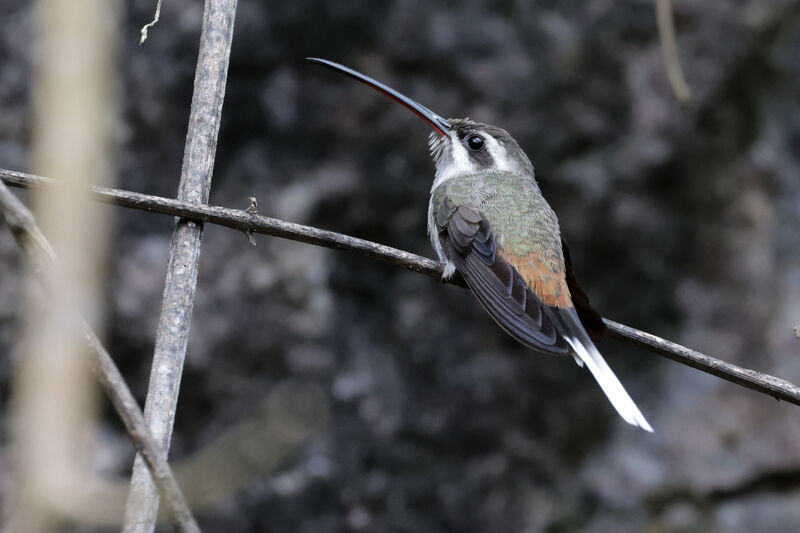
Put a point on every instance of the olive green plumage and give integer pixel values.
(521, 219)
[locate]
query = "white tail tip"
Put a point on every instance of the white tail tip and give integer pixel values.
(608, 381)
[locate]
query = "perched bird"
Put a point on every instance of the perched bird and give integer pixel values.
(488, 221)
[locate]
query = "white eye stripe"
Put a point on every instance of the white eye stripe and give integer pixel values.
(498, 153)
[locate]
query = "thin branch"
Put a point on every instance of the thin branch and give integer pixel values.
(666, 33)
(179, 291)
(254, 447)
(777, 388)
(243, 221)
(150, 24)
(31, 240)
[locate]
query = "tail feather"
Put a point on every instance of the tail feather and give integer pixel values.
(585, 349)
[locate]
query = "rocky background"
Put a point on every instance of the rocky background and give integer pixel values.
(682, 221)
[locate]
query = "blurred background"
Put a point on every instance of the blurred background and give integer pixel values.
(681, 221)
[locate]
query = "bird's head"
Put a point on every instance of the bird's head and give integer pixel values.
(471, 146)
(458, 145)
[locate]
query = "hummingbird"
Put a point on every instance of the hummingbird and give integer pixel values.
(488, 222)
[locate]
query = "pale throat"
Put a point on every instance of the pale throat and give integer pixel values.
(457, 164)
(460, 163)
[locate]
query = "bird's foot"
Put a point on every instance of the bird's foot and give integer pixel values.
(448, 271)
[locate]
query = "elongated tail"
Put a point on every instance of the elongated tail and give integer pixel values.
(587, 353)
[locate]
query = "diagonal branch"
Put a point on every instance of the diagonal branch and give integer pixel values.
(172, 335)
(244, 221)
(33, 243)
(247, 222)
(779, 389)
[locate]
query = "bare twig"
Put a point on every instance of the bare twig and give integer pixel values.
(253, 210)
(151, 23)
(243, 221)
(666, 33)
(777, 388)
(40, 253)
(179, 290)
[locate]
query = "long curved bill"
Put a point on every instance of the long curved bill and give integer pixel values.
(435, 121)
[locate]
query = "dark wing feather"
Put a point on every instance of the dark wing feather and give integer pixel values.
(591, 319)
(468, 241)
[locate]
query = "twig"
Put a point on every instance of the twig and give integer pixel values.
(151, 24)
(777, 388)
(31, 240)
(666, 33)
(181, 282)
(253, 210)
(243, 221)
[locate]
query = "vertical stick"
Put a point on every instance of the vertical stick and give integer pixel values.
(54, 393)
(42, 261)
(181, 281)
(666, 32)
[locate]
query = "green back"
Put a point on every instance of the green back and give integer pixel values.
(520, 217)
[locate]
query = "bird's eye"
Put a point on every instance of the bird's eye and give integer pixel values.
(475, 143)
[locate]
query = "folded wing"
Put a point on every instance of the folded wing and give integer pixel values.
(469, 242)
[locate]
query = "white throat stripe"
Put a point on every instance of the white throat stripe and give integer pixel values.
(460, 162)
